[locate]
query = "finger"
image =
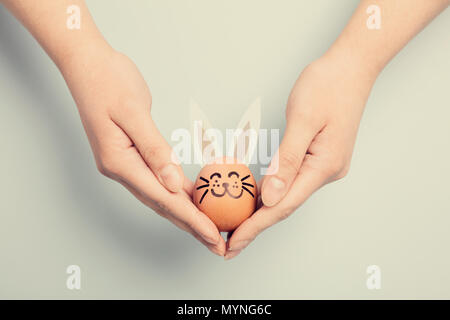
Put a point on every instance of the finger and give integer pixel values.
(188, 186)
(231, 254)
(142, 182)
(307, 182)
(153, 148)
(287, 161)
(259, 184)
(218, 249)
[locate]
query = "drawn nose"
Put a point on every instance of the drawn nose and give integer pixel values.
(225, 185)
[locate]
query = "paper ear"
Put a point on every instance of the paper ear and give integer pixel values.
(205, 139)
(245, 138)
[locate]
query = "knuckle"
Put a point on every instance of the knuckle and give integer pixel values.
(343, 173)
(336, 168)
(162, 206)
(330, 170)
(290, 160)
(108, 166)
(286, 212)
(151, 152)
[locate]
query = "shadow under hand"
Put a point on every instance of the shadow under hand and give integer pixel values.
(162, 248)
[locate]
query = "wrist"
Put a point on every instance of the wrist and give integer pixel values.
(84, 68)
(79, 55)
(354, 61)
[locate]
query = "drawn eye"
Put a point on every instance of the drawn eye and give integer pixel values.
(233, 173)
(215, 182)
(215, 174)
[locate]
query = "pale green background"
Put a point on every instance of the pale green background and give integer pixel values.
(392, 210)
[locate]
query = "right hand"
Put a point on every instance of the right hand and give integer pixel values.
(114, 102)
(322, 120)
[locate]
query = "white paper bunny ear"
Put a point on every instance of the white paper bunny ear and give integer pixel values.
(206, 140)
(245, 137)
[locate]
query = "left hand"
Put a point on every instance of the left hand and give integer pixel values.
(323, 115)
(114, 103)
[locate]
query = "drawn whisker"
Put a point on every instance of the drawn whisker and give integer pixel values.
(203, 186)
(207, 181)
(246, 177)
(203, 195)
(248, 191)
(248, 184)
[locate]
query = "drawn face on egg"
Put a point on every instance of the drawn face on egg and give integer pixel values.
(226, 193)
(232, 185)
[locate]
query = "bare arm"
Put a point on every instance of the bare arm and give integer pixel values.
(401, 20)
(46, 21)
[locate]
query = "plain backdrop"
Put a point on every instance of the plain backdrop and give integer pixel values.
(392, 210)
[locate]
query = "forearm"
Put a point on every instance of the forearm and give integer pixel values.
(401, 20)
(46, 20)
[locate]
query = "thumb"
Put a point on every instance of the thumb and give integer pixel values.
(154, 149)
(286, 163)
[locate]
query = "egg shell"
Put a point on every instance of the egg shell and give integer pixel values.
(226, 193)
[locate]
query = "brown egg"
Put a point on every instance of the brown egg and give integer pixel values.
(226, 193)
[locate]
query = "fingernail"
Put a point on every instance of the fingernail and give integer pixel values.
(238, 246)
(272, 191)
(171, 177)
(231, 254)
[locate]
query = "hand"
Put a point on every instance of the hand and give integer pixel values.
(323, 115)
(114, 104)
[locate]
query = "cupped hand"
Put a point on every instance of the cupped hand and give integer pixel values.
(322, 119)
(114, 103)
